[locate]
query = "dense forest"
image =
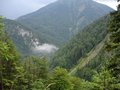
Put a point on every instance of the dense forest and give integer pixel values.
(89, 61)
(79, 45)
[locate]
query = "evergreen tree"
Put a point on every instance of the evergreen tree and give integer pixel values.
(60, 80)
(10, 72)
(38, 85)
(12, 75)
(103, 80)
(35, 71)
(114, 45)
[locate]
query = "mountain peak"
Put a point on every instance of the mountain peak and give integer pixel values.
(59, 21)
(73, 1)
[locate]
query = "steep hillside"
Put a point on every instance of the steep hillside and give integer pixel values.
(91, 55)
(86, 70)
(59, 21)
(27, 41)
(81, 44)
(92, 62)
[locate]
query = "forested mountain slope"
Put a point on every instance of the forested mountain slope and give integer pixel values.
(26, 41)
(107, 59)
(96, 72)
(59, 21)
(81, 44)
(90, 56)
(92, 62)
(46, 30)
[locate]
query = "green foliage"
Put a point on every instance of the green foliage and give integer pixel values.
(113, 45)
(76, 83)
(9, 69)
(35, 71)
(103, 80)
(95, 64)
(38, 85)
(36, 66)
(79, 46)
(85, 73)
(60, 80)
(31, 73)
(23, 77)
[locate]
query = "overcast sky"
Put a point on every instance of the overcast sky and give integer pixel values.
(15, 8)
(111, 3)
(12, 9)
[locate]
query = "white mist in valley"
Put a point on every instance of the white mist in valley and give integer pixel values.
(45, 48)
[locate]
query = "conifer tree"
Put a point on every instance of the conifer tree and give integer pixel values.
(114, 45)
(60, 80)
(10, 72)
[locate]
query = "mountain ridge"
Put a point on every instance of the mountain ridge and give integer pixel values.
(62, 19)
(27, 41)
(81, 44)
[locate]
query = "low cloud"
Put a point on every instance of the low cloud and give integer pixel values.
(45, 48)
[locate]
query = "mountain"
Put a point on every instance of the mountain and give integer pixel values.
(81, 44)
(27, 41)
(101, 57)
(93, 61)
(59, 21)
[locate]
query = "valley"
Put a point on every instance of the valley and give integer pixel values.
(53, 25)
(65, 45)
